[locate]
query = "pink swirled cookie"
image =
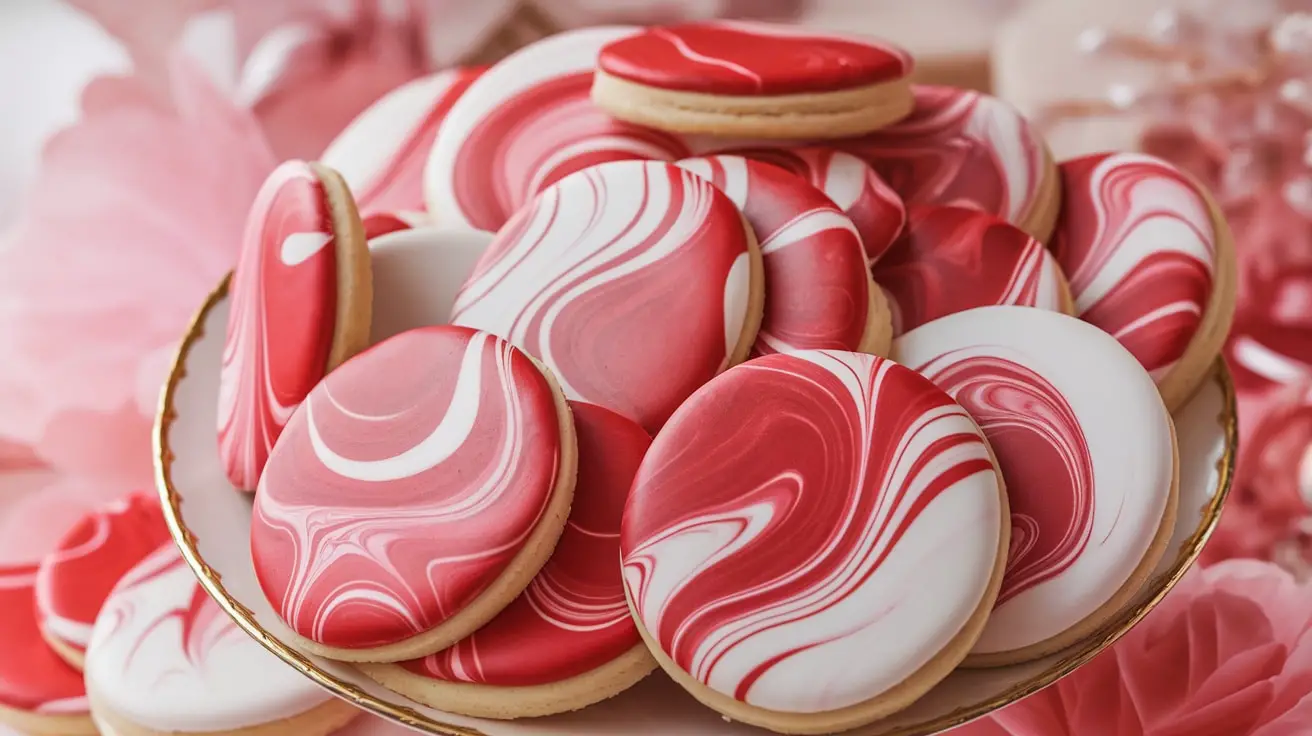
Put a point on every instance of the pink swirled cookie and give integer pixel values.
(40, 693)
(635, 282)
(950, 259)
(1150, 261)
(87, 562)
(165, 659)
(568, 641)
(818, 292)
(828, 552)
(737, 78)
(413, 496)
(301, 299)
(874, 208)
(1087, 455)
(965, 148)
(525, 124)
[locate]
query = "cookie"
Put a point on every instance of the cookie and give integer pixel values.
(301, 298)
(1151, 261)
(757, 80)
(1088, 457)
(524, 125)
(382, 153)
(950, 259)
(413, 496)
(39, 692)
(164, 659)
(585, 279)
(874, 208)
(965, 148)
(829, 553)
(818, 292)
(568, 641)
(73, 580)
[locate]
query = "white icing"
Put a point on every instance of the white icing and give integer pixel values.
(298, 247)
(996, 122)
(737, 292)
(845, 179)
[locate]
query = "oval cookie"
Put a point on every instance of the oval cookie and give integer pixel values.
(39, 691)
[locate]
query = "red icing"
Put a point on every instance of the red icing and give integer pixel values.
(573, 618)
(33, 678)
(405, 484)
(89, 560)
(738, 58)
(280, 329)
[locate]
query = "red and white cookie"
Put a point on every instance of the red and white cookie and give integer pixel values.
(635, 282)
(301, 299)
(874, 208)
(382, 153)
(165, 659)
(525, 124)
(965, 148)
(40, 693)
(1150, 261)
(87, 562)
(1087, 455)
(950, 259)
(751, 79)
(828, 553)
(568, 641)
(416, 493)
(818, 292)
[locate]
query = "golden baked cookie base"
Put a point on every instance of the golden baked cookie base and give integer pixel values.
(320, 720)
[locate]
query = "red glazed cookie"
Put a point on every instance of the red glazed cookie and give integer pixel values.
(568, 641)
(468, 440)
(754, 79)
(950, 259)
(301, 299)
(73, 581)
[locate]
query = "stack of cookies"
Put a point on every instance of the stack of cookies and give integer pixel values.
(797, 381)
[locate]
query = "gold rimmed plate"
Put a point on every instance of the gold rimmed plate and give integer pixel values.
(416, 275)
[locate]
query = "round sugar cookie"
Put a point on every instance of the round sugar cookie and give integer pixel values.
(752, 79)
(525, 124)
(40, 693)
(382, 153)
(874, 208)
(378, 224)
(301, 298)
(1151, 261)
(568, 641)
(73, 580)
(965, 148)
(950, 259)
(414, 495)
(828, 553)
(818, 292)
(635, 282)
(1087, 453)
(164, 659)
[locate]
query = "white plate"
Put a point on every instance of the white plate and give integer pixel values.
(416, 277)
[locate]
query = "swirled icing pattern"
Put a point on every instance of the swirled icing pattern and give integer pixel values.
(586, 278)
(74, 580)
(1137, 240)
(817, 292)
(950, 259)
(33, 679)
(164, 656)
(572, 618)
(1085, 450)
(411, 477)
(527, 123)
(960, 147)
(280, 329)
(836, 528)
(874, 208)
(745, 58)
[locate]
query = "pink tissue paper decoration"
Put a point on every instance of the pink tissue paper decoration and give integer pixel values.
(1227, 653)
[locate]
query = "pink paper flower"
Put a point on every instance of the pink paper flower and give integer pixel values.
(1227, 653)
